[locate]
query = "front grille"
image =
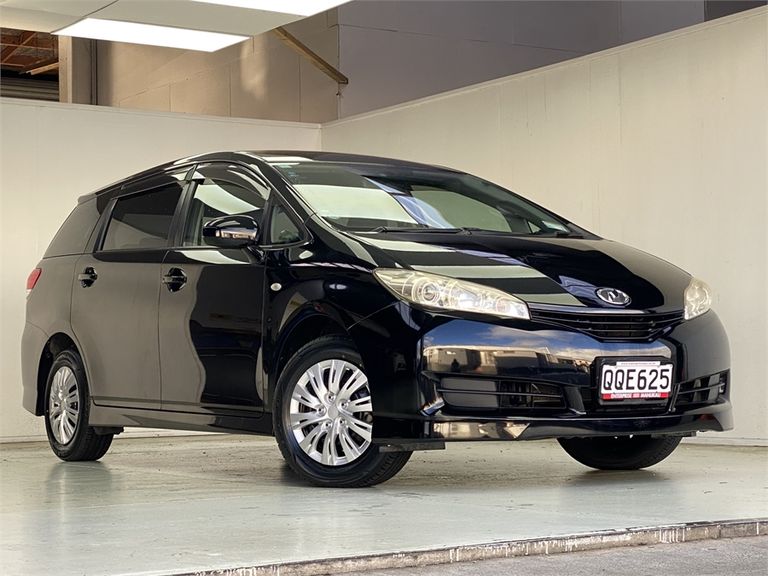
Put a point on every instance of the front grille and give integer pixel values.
(690, 394)
(515, 396)
(701, 391)
(611, 326)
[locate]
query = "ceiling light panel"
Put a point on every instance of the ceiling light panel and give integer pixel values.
(298, 7)
(153, 35)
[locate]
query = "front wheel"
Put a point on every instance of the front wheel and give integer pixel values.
(620, 452)
(323, 418)
(67, 409)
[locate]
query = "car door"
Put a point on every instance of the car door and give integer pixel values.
(116, 291)
(212, 300)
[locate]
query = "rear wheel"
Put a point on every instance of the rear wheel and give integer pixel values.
(66, 412)
(620, 452)
(323, 418)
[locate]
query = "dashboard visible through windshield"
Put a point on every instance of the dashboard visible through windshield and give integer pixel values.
(377, 198)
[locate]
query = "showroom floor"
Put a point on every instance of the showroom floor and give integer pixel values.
(731, 557)
(185, 504)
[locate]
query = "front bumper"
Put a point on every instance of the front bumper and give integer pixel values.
(441, 378)
(715, 418)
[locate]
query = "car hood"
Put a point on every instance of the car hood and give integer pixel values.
(555, 271)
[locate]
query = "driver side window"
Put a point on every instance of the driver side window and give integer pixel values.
(222, 190)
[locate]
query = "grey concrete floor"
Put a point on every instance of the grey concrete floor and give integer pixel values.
(729, 557)
(169, 505)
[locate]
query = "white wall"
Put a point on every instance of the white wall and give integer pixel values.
(392, 51)
(395, 51)
(258, 78)
(52, 153)
(660, 144)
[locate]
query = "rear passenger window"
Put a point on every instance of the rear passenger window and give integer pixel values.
(76, 230)
(142, 220)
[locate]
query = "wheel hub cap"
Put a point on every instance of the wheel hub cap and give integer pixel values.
(63, 405)
(331, 412)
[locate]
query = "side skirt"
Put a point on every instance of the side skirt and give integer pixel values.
(116, 417)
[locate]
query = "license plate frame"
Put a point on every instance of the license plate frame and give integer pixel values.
(612, 397)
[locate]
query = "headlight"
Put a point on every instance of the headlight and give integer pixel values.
(698, 299)
(434, 291)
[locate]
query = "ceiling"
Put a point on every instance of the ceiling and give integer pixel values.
(25, 51)
(52, 15)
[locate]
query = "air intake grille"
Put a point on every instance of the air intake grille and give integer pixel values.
(702, 390)
(611, 326)
(517, 396)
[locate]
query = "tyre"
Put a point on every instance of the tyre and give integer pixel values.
(66, 412)
(620, 452)
(323, 418)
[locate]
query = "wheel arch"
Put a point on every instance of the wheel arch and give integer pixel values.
(56, 344)
(311, 322)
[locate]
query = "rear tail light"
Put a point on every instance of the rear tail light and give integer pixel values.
(32, 279)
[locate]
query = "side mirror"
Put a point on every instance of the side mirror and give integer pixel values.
(236, 231)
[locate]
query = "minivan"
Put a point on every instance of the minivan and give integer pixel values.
(358, 309)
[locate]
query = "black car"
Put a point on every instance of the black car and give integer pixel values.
(358, 309)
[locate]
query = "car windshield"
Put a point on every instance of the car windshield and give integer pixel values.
(391, 198)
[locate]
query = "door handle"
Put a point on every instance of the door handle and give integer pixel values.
(87, 277)
(175, 279)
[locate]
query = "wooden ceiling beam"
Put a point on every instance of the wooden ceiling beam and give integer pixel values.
(8, 51)
(21, 61)
(308, 53)
(44, 42)
(41, 67)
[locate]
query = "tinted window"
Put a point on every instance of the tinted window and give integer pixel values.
(142, 220)
(367, 197)
(222, 191)
(282, 230)
(76, 230)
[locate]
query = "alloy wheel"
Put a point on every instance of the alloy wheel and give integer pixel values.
(331, 412)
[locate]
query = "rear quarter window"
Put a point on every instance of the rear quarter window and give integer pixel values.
(142, 221)
(74, 234)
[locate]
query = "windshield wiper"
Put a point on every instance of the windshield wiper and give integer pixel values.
(415, 229)
(557, 234)
(470, 230)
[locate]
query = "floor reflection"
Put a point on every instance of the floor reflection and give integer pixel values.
(187, 503)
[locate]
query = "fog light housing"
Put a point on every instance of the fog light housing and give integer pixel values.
(721, 389)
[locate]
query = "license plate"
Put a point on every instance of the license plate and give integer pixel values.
(636, 380)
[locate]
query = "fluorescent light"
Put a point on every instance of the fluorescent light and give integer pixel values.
(298, 7)
(136, 33)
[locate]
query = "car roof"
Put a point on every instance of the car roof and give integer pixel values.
(274, 156)
(267, 156)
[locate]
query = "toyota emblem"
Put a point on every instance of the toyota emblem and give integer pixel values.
(613, 296)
